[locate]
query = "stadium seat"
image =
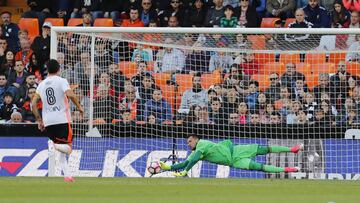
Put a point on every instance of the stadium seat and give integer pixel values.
(270, 67)
(263, 80)
(184, 80)
(209, 79)
(55, 21)
(315, 58)
(312, 80)
(288, 21)
(168, 92)
(324, 68)
(75, 21)
(288, 58)
(304, 68)
(268, 22)
(258, 41)
(353, 68)
(31, 25)
(263, 58)
(161, 78)
(103, 22)
(128, 68)
(336, 57)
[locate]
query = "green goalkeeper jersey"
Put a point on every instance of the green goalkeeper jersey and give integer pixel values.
(218, 153)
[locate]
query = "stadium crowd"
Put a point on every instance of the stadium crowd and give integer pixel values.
(238, 98)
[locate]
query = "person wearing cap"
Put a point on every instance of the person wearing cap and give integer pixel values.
(41, 44)
(10, 31)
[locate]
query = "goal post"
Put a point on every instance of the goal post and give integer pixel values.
(145, 89)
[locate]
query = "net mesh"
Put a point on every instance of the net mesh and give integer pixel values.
(149, 90)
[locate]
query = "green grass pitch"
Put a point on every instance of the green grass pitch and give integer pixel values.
(181, 190)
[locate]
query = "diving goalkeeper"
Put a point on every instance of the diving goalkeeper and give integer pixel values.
(225, 153)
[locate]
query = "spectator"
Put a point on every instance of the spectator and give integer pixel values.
(273, 91)
(301, 117)
(250, 65)
(328, 4)
(134, 20)
(117, 79)
(300, 90)
(217, 113)
(220, 61)
(7, 66)
(148, 12)
(324, 87)
(41, 45)
(173, 22)
(25, 52)
(194, 96)
(340, 16)
(3, 48)
(158, 107)
(173, 60)
(265, 116)
(247, 15)
(66, 71)
(3, 87)
(126, 118)
(87, 20)
(285, 98)
(291, 75)
(261, 103)
(30, 82)
(352, 5)
(243, 112)
(317, 15)
(233, 119)
(255, 118)
(10, 31)
(18, 77)
(197, 60)
(139, 54)
(353, 53)
(356, 98)
(147, 87)
(297, 40)
(260, 6)
(104, 79)
(195, 16)
(16, 117)
(291, 117)
(174, 10)
(7, 107)
(339, 83)
(141, 71)
(204, 116)
(132, 103)
(61, 9)
(38, 9)
(26, 109)
(241, 43)
(353, 81)
(152, 119)
(84, 100)
(214, 14)
(251, 98)
(330, 112)
(229, 20)
(231, 101)
(309, 106)
(93, 7)
(354, 23)
(282, 9)
(275, 118)
(193, 115)
(104, 105)
(33, 67)
(112, 9)
(84, 43)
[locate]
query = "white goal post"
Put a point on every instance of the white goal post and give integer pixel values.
(279, 86)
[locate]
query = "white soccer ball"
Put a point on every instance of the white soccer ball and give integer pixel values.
(154, 167)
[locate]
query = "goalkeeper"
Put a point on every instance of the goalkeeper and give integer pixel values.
(225, 153)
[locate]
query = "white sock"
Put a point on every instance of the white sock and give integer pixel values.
(63, 164)
(64, 148)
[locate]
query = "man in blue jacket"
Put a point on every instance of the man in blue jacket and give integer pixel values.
(317, 15)
(158, 107)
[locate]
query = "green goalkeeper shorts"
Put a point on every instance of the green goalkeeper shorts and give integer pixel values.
(242, 155)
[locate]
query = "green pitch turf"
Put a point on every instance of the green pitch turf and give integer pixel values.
(182, 190)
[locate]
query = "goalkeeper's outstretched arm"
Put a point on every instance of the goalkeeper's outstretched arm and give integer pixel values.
(187, 164)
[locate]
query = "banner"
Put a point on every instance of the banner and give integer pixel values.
(128, 157)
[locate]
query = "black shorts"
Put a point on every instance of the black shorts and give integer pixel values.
(60, 133)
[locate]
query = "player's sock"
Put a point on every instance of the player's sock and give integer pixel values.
(272, 169)
(297, 148)
(64, 148)
(63, 164)
(279, 149)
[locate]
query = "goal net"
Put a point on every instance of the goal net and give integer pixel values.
(145, 90)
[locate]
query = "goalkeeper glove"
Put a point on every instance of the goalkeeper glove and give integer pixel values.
(181, 174)
(164, 166)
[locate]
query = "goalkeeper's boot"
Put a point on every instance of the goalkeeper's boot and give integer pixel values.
(295, 149)
(69, 179)
(292, 169)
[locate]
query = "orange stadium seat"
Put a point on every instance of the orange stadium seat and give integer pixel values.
(55, 21)
(128, 68)
(258, 41)
(324, 68)
(336, 57)
(353, 68)
(270, 67)
(31, 25)
(288, 21)
(315, 58)
(168, 92)
(75, 21)
(268, 22)
(161, 78)
(209, 79)
(304, 68)
(264, 81)
(312, 80)
(288, 58)
(263, 58)
(103, 22)
(184, 80)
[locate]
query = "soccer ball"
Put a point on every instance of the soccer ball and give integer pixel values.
(154, 167)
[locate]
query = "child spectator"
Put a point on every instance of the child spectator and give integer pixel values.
(158, 107)
(229, 20)
(15, 118)
(309, 106)
(243, 113)
(217, 114)
(8, 107)
(251, 98)
(291, 118)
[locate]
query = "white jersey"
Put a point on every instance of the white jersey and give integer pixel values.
(55, 103)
